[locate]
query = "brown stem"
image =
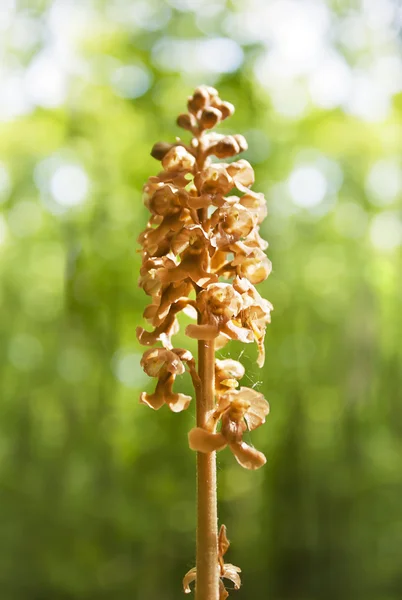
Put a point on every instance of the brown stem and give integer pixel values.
(207, 583)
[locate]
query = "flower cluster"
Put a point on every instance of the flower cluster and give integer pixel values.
(202, 254)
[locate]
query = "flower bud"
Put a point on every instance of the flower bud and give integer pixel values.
(198, 100)
(227, 109)
(186, 121)
(226, 147)
(160, 149)
(210, 117)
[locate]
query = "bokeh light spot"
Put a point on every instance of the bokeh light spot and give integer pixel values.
(330, 82)
(45, 81)
(126, 368)
(307, 186)
(386, 231)
(131, 81)
(69, 185)
(214, 55)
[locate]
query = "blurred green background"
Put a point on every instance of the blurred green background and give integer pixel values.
(97, 492)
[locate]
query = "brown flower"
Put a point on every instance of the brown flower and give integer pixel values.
(224, 146)
(242, 172)
(218, 304)
(149, 280)
(233, 222)
(226, 570)
(192, 237)
(214, 180)
(237, 410)
(166, 365)
(166, 200)
(178, 159)
(253, 264)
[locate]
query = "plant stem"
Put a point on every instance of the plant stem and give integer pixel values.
(207, 583)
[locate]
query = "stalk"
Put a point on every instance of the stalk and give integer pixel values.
(207, 584)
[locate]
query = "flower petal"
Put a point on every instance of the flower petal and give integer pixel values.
(202, 440)
(259, 407)
(234, 332)
(242, 172)
(178, 402)
(230, 368)
(188, 578)
(223, 542)
(152, 400)
(231, 572)
(248, 457)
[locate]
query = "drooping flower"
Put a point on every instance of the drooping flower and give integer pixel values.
(219, 306)
(225, 570)
(239, 411)
(166, 365)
